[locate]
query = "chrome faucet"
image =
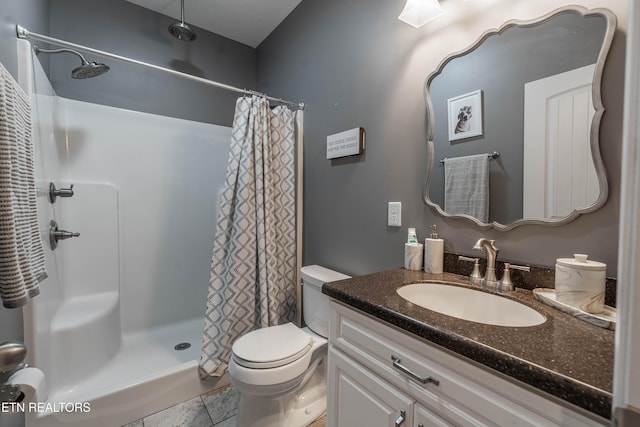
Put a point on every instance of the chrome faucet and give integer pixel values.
(489, 247)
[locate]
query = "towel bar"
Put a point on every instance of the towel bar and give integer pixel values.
(494, 155)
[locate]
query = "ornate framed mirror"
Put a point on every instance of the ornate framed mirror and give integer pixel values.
(531, 91)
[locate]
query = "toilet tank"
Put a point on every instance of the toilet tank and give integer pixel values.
(315, 304)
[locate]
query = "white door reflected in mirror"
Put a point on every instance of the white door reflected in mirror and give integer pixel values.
(559, 175)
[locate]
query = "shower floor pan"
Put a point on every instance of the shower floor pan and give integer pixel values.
(145, 376)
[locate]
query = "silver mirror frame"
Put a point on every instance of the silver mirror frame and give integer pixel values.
(595, 125)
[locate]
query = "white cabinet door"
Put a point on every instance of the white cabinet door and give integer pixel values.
(422, 417)
(356, 397)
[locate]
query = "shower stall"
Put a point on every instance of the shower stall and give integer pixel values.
(119, 321)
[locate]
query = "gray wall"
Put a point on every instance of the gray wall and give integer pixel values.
(524, 55)
(355, 64)
(33, 14)
(129, 30)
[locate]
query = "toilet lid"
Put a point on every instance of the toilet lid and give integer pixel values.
(271, 347)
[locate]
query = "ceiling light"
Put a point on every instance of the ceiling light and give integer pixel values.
(419, 12)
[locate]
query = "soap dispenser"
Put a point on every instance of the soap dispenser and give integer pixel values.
(433, 252)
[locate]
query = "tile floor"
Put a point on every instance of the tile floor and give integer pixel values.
(216, 409)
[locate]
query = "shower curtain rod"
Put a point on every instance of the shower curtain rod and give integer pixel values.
(23, 33)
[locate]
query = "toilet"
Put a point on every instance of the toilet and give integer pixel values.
(280, 371)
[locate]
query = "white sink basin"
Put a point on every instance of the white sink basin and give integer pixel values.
(470, 304)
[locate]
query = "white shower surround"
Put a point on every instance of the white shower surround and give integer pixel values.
(134, 284)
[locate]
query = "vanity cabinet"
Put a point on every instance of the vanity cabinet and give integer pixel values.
(364, 399)
(361, 398)
(425, 418)
(377, 373)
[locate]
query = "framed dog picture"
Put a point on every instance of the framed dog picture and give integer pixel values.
(465, 115)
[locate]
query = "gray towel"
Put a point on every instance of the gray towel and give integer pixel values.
(466, 186)
(22, 262)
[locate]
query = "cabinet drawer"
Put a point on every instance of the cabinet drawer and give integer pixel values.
(459, 391)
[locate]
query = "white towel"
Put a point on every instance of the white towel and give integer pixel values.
(22, 263)
(466, 186)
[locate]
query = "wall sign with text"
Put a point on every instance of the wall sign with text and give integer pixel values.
(347, 143)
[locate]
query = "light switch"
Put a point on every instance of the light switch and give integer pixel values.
(394, 214)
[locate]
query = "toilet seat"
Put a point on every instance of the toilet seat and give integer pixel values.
(271, 347)
(272, 381)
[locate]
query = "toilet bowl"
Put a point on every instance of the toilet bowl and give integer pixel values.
(280, 371)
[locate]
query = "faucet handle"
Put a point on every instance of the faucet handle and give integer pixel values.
(506, 285)
(518, 267)
(475, 276)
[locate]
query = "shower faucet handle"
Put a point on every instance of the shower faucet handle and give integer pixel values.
(59, 192)
(55, 234)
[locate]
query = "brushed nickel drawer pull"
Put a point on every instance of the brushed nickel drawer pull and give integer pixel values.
(401, 418)
(397, 363)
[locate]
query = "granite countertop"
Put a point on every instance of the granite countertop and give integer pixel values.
(565, 356)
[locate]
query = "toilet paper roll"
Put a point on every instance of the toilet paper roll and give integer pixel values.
(32, 383)
(413, 253)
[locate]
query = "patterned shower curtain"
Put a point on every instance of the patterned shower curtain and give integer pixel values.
(253, 267)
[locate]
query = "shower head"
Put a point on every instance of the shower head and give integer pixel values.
(181, 30)
(86, 69)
